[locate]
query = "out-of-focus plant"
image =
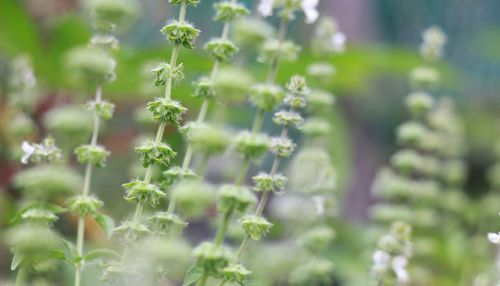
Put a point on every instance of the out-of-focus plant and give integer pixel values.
(93, 66)
(429, 172)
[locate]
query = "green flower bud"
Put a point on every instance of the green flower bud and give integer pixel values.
(45, 181)
(295, 102)
(251, 32)
(129, 232)
(221, 50)
(85, 205)
(181, 33)
(235, 273)
(102, 108)
(21, 125)
(39, 216)
(104, 42)
(320, 100)
(255, 226)
(268, 183)
(266, 96)
(232, 84)
(282, 147)
(107, 14)
(271, 48)
(204, 88)
(164, 71)
(392, 186)
(211, 258)
(412, 133)
(176, 173)
(408, 161)
(163, 223)
(317, 271)
(419, 103)
(32, 241)
(297, 86)
(69, 123)
(424, 77)
(316, 127)
(251, 145)
(235, 198)
(193, 197)
(321, 70)
(288, 118)
(155, 153)
(166, 110)
(90, 65)
(188, 2)
(229, 11)
(95, 155)
(317, 239)
(401, 230)
(140, 192)
(433, 43)
(205, 138)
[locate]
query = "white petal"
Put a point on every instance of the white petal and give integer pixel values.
(28, 150)
(381, 258)
(399, 266)
(310, 10)
(494, 237)
(266, 7)
(338, 41)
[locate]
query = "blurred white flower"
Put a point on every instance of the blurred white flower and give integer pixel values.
(494, 237)
(399, 266)
(266, 7)
(319, 202)
(381, 258)
(338, 41)
(28, 150)
(310, 10)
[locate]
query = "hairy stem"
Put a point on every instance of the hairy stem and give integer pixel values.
(80, 237)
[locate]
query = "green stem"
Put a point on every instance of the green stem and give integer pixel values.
(80, 237)
(221, 232)
(202, 168)
(21, 277)
(271, 77)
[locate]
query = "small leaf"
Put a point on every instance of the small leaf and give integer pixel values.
(192, 275)
(16, 260)
(71, 253)
(106, 223)
(99, 253)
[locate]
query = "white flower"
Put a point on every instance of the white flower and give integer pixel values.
(399, 266)
(310, 10)
(494, 237)
(338, 42)
(28, 150)
(381, 258)
(266, 7)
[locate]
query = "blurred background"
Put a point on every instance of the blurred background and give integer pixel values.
(370, 85)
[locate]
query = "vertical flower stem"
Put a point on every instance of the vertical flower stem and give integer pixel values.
(21, 277)
(188, 156)
(283, 28)
(80, 237)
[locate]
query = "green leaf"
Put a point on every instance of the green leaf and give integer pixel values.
(193, 275)
(107, 224)
(16, 260)
(99, 253)
(71, 253)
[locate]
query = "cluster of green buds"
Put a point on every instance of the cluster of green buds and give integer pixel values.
(390, 260)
